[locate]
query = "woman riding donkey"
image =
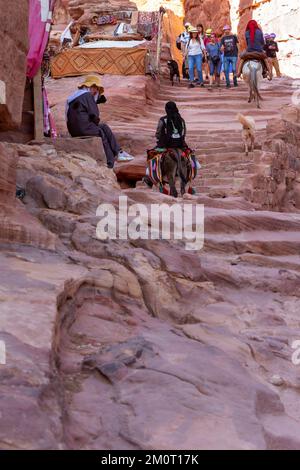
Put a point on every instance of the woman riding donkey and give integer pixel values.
(172, 156)
(255, 49)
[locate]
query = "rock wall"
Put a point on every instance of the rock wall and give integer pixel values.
(277, 185)
(13, 51)
(211, 13)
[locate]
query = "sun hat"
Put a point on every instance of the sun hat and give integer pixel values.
(208, 31)
(187, 24)
(226, 27)
(91, 80)
(192, 29)
(272, 35)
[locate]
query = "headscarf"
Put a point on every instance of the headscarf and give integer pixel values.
(174, 120)
(252, 26)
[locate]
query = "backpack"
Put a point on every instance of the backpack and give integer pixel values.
(176, 138)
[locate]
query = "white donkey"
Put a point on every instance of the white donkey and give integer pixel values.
(252, 74)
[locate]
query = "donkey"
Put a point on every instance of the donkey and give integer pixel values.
(252, 74)
(174, 164)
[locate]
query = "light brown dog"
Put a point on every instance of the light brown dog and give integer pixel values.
(248, 132)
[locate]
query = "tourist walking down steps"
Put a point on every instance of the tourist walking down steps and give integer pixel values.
(195, 50)
(83, 118)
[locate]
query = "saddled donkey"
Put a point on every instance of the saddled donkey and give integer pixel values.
(253, 75)
(173, 164)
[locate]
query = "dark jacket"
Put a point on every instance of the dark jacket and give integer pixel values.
(83, 116)
(162, 137)
(259, 41)
(271, 47)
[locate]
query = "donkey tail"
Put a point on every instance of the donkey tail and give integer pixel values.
(179, 163)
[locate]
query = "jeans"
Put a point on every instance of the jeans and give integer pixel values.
(195, 61)
(227, 62)
(215, 68)
(110, 144)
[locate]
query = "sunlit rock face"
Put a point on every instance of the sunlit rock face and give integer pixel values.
(13, 50)
(279, 16)
(212, 14)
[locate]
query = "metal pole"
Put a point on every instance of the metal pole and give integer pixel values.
(38, 107)
(162, 11)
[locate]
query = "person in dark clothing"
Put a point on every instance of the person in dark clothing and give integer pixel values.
(255, 45)
(171, 129)
(83, 119)
(271, 49)
(229, 46)
(170, 133)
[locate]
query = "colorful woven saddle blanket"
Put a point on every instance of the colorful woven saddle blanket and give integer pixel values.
(155, 157)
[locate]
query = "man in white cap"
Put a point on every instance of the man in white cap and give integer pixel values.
(184, 39)
(185, 36)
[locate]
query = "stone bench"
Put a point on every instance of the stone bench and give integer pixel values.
(91, 146)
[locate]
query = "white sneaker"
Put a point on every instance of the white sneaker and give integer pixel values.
(124, 156)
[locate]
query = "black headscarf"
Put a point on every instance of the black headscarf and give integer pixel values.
(174, 120)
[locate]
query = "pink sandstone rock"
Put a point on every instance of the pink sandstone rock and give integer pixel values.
(13, 51)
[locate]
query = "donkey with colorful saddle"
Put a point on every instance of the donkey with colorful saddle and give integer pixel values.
(164, 165)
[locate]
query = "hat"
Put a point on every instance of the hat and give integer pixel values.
(192, 29)
(187, 24)
(208, 31)
(91, 80)
(272, 35)
(227, 27)
(266, 36)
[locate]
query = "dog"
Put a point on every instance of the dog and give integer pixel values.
(174, 71)
(248, 132)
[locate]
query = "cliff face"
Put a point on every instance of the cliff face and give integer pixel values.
(278, 16)
(13, 50)
(211, 13)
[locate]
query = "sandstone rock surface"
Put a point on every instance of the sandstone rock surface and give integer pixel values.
(13, 51)
(141, 343)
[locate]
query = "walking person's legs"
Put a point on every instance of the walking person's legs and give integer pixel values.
(226, 70)
(218, 73)
(275, 63)
(198, 59)
(191, 69)
(211, 72)
(270, 60)
(234, 62)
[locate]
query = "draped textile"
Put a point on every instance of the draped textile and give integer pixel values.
(40, 16)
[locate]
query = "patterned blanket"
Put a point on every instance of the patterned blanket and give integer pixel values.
(154, 159)
(114, 61)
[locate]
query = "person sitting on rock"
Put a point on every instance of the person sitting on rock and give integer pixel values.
(82, 115)
(255, 49)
